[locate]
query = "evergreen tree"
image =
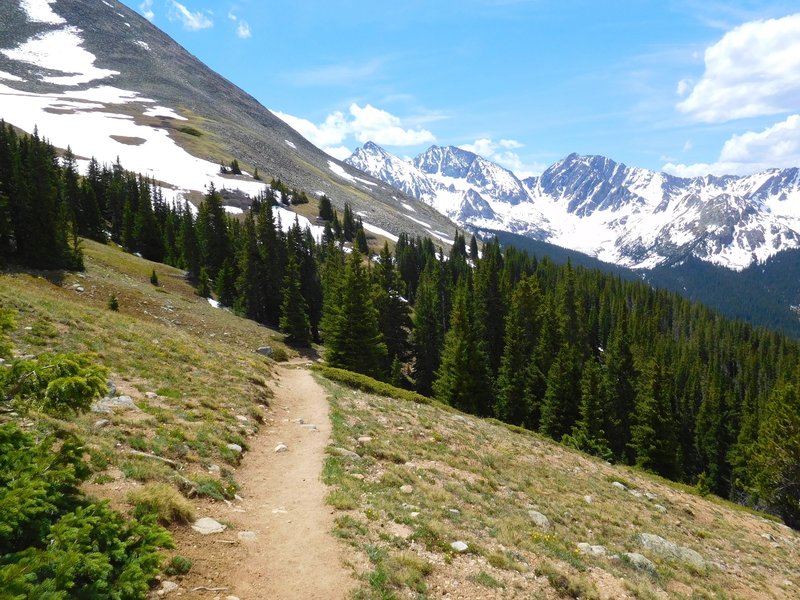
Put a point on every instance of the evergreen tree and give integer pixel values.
(325, 208)
(462, 379)
(618, 377)
(653, 439)
(562, 398)
(225, 284)
(294, 314)
(393, 313)
(361, 238)
(521, 336)
(348, 224)
(589, 434)
(353, 339)
(429, 328)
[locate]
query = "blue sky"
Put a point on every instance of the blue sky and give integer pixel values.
(687, 86)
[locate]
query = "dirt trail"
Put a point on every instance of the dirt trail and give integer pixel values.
(293, 554)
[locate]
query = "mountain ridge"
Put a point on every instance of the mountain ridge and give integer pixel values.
(624, 215)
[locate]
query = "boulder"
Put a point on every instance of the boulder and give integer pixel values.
(539, 519)
(667, 549)
(590, 550)
(619, 486)
(459, 546)
(109, 405)
(345, 453)
(264, 350)
(234, 448)
(640, 561)
(281, 447)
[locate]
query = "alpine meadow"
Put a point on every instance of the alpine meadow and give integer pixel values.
(234, 366)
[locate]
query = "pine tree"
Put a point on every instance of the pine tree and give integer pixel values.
(589, 434)
(562, 398)
(361, 238)
(325, 208)
(393, 312)
(462, 379)
(353, 339)
(653, 439)
(619, 374)
(348, 224)
(294, 313)
(225, 284)
(521, 337)
(428, 332)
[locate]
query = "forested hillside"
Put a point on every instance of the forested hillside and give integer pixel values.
(615, 368)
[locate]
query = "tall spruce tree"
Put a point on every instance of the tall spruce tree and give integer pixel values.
(294, 311)
(353, 339)
(429, 328)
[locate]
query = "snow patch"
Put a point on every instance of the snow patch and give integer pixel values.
(142, 44)
(379, 231)
(61, 51)
(287, 218)
(409, 207)
(418, 222)
(163, 111)
(40, 11)
(290, 144)
(10, 77)
(213, 302)
(233, 210)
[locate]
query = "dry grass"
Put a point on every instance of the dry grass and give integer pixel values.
(164, 501)
(476, 481)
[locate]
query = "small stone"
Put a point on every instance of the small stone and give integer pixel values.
(640, 561)
(214, 469)
(264, 350)
(635, 493)
(651, 496)
(407, 489)
(459, 546)
(539, 519)
(588, 499)
(281, 448)
(413, 515)
(231, 597)
(345, 453)
(659, 508)
(310, 427)
(207, 525)
(151, 395)
(167, 587)
(101, 423)
(619, 486)
(242, 418)
(590, 550)
(364, 439)
(235, 448)
(108, 405)
(358, 476)
(455, 511)
(657, 544)
(247, 536)
(79, 289)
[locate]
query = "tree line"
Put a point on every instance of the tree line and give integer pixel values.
(635, 375)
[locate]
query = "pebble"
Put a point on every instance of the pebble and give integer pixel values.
(247, 536)
(640, 561)
(345, 453)
(207, 525)
(619, 486)
(242, 418)
(407, 489)
(590, 550)
(101, 423)
(358, 476)
(539, 519)
(588, 499)
(235, 448)
(281, 447)
(459, 546)
(151, 395)
(659, 508)
(364, 439)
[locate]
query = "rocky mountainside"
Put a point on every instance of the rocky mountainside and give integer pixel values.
(623, 215)
(98, 77)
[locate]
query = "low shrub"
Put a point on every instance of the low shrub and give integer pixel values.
(163, 501)
(370, 385)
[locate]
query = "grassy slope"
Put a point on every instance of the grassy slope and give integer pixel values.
(472, 480)
(476, 481)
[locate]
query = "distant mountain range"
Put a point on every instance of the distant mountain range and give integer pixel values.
(623, 215)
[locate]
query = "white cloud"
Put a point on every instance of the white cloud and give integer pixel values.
(683, 86)
(688, 145)
(146, 8)
(243, 30)
(775, 147)
(193, 21)
(501, 153)
(754, 70)
(363, 124)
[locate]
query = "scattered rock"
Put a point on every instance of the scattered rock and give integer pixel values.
(621, 487)
(590, 550)
(413, 515)
(455, 511)
(112, 389)
(231, 597)
(640, 562)
(247, 536)
(167, 587)
(281, 447)
(358, 476)
(407, 489)
(660, 508)
(101, 423)
(151, 395)
(214, 469)
(109, 405)
(667, 549)
(459, 546)
(539, 519)
(78, 288)
(310, 427)
(207, 526)
(364, 439)
(588, 499)
(345, 453)
(242, 418)
(635, 493)
(264, 350)
(651, 496)
(235, 448)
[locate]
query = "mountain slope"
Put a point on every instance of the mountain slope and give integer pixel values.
(102, 79)
(623, 215)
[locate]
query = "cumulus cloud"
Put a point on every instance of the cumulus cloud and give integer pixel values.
(146, 8)
(193, 21)
(242, 26)
(362, 123)
(775, 147)
(501, 153)
(683, 86)
(754, 70)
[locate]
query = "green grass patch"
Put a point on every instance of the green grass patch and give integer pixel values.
(162, 500)
(370, 385)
